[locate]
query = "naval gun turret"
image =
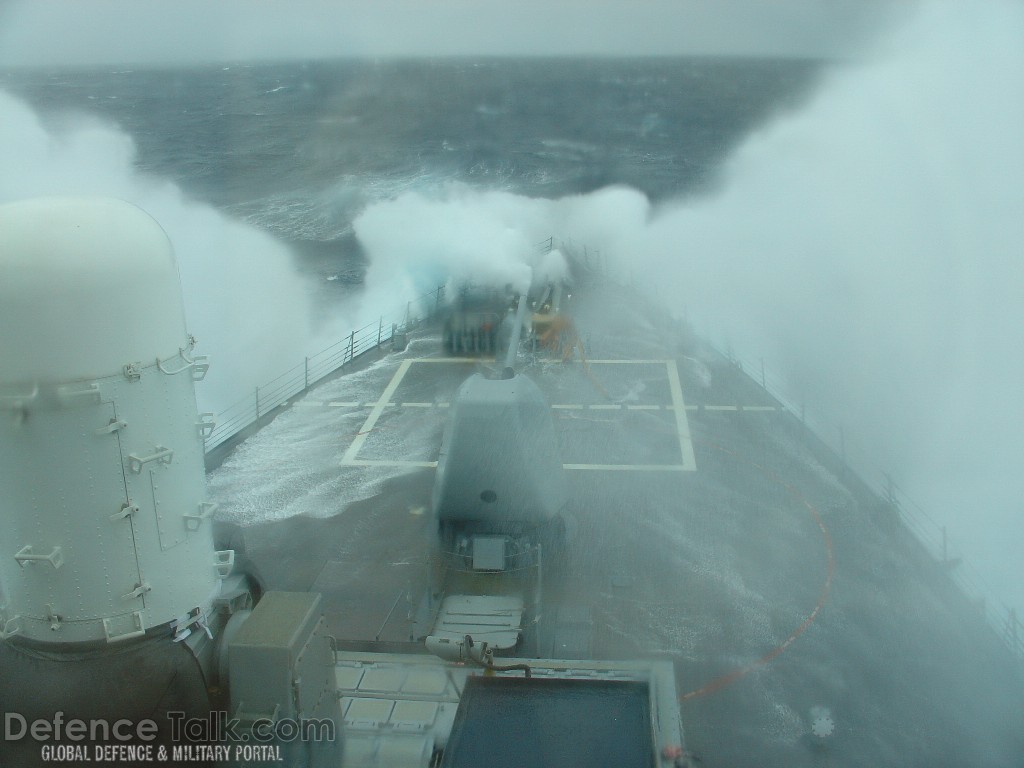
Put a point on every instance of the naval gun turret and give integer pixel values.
(499, 471)
(498, 499)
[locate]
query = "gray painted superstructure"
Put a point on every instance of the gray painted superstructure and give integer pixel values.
(499, 463)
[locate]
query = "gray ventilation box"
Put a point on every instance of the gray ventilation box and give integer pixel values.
(282, 670)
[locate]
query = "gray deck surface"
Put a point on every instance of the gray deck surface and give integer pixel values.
(763, 570)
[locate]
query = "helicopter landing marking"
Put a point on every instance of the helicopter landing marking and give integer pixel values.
(689, 463)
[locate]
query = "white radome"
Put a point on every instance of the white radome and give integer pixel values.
(104, 528)
(88, 284)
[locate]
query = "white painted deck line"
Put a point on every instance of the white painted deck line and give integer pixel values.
(378, 409)
(387, 463)
(599, 467)
(451, 360)
(629, 467)
(682, 424)
(556, 406)
(678, 405)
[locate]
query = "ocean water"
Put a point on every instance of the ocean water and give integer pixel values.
(312, 154)
(839, 225)
(300, 149)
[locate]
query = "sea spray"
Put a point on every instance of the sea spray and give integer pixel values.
(869, 247)
(866, 245)
(243, 300)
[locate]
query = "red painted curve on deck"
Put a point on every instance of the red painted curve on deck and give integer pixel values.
(731, 677)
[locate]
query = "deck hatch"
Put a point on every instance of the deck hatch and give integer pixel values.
(503, 722)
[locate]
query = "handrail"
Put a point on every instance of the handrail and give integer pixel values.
(913, 518)
(271, 395)
(932, 536)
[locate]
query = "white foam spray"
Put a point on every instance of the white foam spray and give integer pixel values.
(417, 241)
(243, 300)
(868, 246)
(871, 245)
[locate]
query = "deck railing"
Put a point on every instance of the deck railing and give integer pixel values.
(304, 374)
(931, 535)
(912, 517)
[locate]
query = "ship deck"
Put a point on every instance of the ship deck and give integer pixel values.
(706, 527)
